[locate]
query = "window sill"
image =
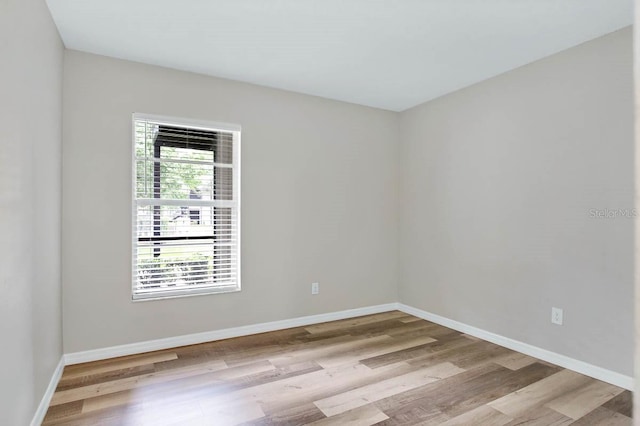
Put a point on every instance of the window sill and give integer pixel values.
(162, 295)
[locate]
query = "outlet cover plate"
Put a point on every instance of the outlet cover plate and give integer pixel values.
(556, 316)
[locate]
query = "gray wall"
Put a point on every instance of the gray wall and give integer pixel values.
(319, 202)
(498, 182)
(30, 206)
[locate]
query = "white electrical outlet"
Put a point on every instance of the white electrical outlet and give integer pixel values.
(556, 316)
(315, 288)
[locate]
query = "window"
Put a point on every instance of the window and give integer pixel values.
(186, 218)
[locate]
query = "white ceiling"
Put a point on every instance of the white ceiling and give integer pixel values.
(390, 54)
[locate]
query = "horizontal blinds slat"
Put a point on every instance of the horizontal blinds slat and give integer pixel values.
(198, 273)
(183, 252)
(179, 269)
(152, 269)
(168, 282)
(171, 265)
(168, 279)
(178, 275)
(223, 270)
(178, 288)
(179, 160)
(185, 202)
(199, 242)
(172, 281)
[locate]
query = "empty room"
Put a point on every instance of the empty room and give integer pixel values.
(338, 212)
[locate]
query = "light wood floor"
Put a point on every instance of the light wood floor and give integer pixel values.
(386, 369)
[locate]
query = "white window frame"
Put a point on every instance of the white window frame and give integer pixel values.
(196, 125)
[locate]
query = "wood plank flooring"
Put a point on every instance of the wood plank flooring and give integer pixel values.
(384, 369)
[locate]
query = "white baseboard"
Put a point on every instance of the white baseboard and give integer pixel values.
(581, 367)
(209, 336)
(41, 411)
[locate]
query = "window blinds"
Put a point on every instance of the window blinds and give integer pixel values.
(186, 237)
